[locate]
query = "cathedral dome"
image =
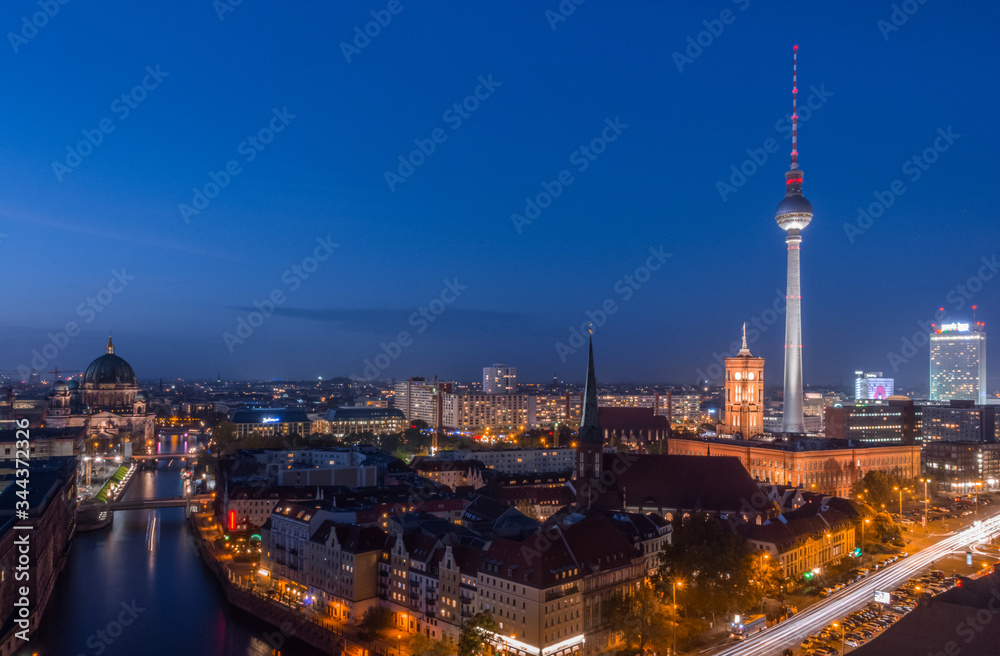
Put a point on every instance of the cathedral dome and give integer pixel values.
(60, 386)
(73, 385)
(109, 369)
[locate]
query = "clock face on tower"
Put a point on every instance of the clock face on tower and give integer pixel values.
(750, 376)
(737, 375)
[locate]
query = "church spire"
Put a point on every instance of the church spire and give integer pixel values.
(590, 430)
(111, 347)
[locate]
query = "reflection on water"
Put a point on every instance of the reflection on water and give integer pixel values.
(140, 588)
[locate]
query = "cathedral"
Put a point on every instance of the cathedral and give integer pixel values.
(107, 402)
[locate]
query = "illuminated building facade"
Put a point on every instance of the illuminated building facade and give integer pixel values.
(684, 407)
(744, 401)
(819, 467)
(347, 421)
(108, 401)
(271, 421)
(871, 386)
(499, 379)
(874, 422)
(958, 362)
(420, 399)
(476, 411)
(546, 411)
(959, 421)
(959, 466)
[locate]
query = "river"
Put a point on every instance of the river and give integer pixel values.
(139, 588)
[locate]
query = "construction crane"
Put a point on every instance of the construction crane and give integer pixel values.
(55, 373)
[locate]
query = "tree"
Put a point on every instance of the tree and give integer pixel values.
(875, 489)
(639, 615)
(374, 620)
(473, 635)
(713, 564)
(421, 645)
(224, 436)
(766, 577)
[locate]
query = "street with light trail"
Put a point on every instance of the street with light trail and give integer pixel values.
(835, 607)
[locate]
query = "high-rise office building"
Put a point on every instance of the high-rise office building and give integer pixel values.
(873, 422)
(959, 421)
(871, 386)
(474, 411)
(421, 399)
(499, 379)
(793, 214)
(958, 362)
(744, 401)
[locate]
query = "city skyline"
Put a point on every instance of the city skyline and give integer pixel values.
(394, 327)
(319, 185)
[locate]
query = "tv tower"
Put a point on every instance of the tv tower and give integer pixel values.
(793, 214)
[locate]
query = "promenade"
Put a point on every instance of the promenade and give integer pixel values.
(289, 621)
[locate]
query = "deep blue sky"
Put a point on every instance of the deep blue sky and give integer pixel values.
(656, 184)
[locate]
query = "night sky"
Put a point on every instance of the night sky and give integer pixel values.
(670, 117)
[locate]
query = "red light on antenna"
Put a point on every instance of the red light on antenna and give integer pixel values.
(796, 47)
(973, 307)
(940, 309)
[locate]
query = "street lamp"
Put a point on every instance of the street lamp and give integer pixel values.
(926, 527)
(864, 551)
(673, 634)
(900, 490)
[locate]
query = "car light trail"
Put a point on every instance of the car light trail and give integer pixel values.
(844, 601)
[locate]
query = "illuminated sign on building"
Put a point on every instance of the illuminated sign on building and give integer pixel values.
(956, 327)
(268, 420)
